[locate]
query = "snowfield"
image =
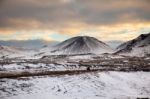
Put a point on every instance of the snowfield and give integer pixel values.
(97, 85)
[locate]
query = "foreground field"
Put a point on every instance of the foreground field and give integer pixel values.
(95, 85)
(86, 76)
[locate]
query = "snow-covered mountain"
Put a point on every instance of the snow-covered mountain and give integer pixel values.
(5, 50)
(82, 45)
(139, 46)
(14, 52)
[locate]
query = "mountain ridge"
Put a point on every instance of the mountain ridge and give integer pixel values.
(141, 44)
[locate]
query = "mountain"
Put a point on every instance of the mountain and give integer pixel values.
(137, 47)
(7, 51)
(30, 44)
(14, 52)
(114, 43)
(82, 45)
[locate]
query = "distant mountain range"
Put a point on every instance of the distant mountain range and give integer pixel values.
(139, 46)
(30, 44)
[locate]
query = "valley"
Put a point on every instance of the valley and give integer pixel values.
(80, 68)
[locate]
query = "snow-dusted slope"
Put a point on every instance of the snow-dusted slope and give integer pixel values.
(6, 51)
(137, 47)
(46, 50)
(14, 52)
(82, 45)
(99, 85)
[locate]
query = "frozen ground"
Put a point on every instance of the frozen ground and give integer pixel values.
(98, 85)
(89, 85)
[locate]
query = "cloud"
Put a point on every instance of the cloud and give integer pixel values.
(51, 13)
(102, 18)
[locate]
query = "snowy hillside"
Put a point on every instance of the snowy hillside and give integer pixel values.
(137, 47)
(45, 50)
(15, 52)
(82, 45)
(98, 85)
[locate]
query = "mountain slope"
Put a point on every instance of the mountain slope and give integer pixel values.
(81, 45)
(5, 50)
(137, 47)
(14, 52)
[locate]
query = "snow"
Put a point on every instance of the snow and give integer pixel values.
(16, 52)
(95, 85)
(79, 57)
(81, 45)
(138, 51)
(139, 46)
(98, 85)
(39, 67)
(30, 67)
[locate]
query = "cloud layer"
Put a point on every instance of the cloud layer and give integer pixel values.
(105, 19)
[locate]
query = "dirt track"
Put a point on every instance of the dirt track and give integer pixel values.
(16, 74)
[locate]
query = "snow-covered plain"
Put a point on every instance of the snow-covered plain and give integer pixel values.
(98, 85)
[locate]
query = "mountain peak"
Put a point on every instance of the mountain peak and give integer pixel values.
(140, 44)
(143, 36)
(81, 45)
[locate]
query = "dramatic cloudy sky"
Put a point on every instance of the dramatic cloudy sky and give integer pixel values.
(57, 20)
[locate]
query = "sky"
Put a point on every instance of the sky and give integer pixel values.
(57, 20)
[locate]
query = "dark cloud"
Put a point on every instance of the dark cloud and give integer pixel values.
(60, 13)
(114, 11)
